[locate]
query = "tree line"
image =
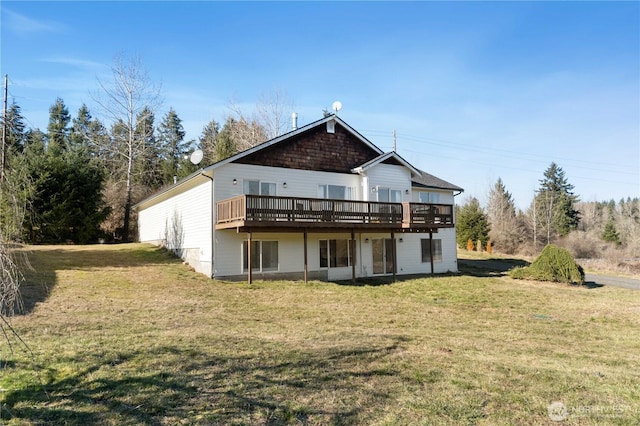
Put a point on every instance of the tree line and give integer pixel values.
(78, 180)
(555, 215)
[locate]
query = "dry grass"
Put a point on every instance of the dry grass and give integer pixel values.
(128, 335)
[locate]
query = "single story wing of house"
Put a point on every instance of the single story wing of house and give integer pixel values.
(319, 202)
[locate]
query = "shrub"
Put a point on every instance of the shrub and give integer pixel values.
(469, 245)
(553, 264)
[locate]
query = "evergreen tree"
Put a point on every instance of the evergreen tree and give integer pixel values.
(14, 139)
(472, 223)
(15, 188)
(610, 234)
(554, 204)
(147, 170)
(79, 135)
(69, 203)
(58, 128)
(173, 148)
(16, 130)
(207, 142)
(225, 144)
(67, 186)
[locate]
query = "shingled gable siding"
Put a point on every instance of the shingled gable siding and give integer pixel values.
(315, 150)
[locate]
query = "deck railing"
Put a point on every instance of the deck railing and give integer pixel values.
(429, 214)
(262, 208)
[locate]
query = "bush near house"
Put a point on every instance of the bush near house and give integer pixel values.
(553, 264)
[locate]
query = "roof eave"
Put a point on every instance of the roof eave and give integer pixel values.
(364, 167)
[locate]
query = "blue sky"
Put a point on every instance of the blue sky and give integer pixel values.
(475, 91)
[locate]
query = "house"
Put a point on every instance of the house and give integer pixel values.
(320, 202)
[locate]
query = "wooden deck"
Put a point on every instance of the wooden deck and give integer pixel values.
(259, 211)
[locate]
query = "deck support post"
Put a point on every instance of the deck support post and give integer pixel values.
(393, 254)
(431, 249)
(352, 243)
(249, 266)
(306, 264)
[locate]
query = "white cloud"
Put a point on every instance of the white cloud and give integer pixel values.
(24, 25)
(78, 63)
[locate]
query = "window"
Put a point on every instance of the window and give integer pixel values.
(256, 187)
(335, 192)
(387, 195)
(426, 250)
(335, 253)
(430, 197)
(264, 256)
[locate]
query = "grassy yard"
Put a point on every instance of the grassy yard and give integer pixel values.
(127, 334)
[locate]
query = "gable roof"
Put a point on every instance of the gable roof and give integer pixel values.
(278, 141)
(425, 180)
(388, 158)
(363, 155)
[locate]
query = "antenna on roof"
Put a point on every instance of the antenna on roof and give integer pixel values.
(394, 140)
(337, 106)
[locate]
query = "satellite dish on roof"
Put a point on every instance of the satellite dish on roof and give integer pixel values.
(337, 106)
(196, 156)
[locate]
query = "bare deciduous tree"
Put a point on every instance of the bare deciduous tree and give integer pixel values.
(123, 99)
(14, 195)
(246, 131)
(10, 279)
(270, 119)
(506, 232)
(274, 109)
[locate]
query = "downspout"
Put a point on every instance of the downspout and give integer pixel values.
(212, 222)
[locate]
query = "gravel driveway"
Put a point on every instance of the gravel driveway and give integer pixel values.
(613, 281)
(497, 267)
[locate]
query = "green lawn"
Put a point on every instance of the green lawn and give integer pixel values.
(126, 334)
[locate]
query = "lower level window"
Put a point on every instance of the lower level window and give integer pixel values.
(264, 256)
(426, 250)
(335, 253)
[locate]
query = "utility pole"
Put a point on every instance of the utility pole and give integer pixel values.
(4, 129)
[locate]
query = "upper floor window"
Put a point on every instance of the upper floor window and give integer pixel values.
(430, 197)
(335, 192)
(256, 187)
(387, 195)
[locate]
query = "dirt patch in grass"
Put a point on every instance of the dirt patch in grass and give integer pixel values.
(129, 335)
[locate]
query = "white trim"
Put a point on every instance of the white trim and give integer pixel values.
(364, 167)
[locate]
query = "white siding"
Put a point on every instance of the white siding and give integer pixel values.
(410, 253)
(389, 176)
(182, 223)
(290, 253)
(229, 251)
(300, 183)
